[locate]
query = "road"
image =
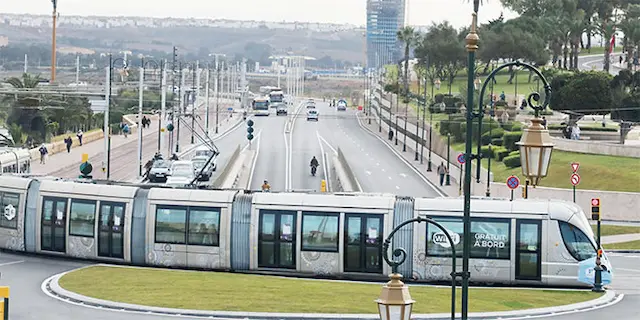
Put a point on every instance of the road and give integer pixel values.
(595, 62)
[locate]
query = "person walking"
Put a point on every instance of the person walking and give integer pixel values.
(442, 171)
(68, 142)
(79, 134)
(43, 153)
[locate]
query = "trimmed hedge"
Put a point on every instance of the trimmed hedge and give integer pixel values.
(512, 161)
(492, 134)
(496, 142)
(501, 153)
(596, 129)
(509, 140)
(514, 153)
(486, 152)
(512, 126)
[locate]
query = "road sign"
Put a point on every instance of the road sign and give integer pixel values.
(575, 166)
(595, 202)
(461, 158)
(230, 109)
(513, 182)
(575, 179)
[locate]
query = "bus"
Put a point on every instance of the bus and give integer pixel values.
(266, 90)
(276, 98)
(260, 106)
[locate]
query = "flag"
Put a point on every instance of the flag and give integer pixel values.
(612, 44)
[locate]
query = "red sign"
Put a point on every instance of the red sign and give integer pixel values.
(575, 179)
(575, 166)
(595, 202)
(513, 182)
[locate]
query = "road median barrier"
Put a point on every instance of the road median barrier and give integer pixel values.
(245, 164)
(345, 177)
(230, 172)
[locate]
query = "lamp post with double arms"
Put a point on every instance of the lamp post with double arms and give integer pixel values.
(107, 123)
(535, 145)
(140, 124)
(395, 301)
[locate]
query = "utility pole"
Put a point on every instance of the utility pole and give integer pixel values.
(26, 60)
(206, 101)
(107, 98)
(77, 68)
(139, 122)
(217, 91)
(53, 41)
(173, 90)
(180, 108)
(163, 104)
(195, 88)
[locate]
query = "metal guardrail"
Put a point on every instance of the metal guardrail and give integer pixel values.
(227, 169)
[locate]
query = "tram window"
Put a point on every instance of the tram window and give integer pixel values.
(490, 239)
(319, 232)
(437, 243)
(204, 226)
(82, 218)
(171, 224)
(10, 206)
(578, 243)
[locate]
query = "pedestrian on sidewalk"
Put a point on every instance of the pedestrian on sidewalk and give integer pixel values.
(43, 153)
(68, 142)
(79, 136)
(442, 171)
(390, 135)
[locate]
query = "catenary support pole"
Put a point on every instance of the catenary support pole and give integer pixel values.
(163, 105)
(139, 121)
(107, 98)
(206, 101)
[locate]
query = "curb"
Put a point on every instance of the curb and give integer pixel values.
(623, 251)
(52, 288)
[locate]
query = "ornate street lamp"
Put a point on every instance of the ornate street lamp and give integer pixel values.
(535, 150)
(395, 301)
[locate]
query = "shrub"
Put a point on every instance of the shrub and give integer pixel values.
(514, 153)
(438, 98)
(500, 153)
(496, 142)
(486, 152)
(487, 124)
(488, 136)
(454, 127)
(509, 140)
(512, 126)
(512, 161)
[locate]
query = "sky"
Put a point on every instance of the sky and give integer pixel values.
(421, 12)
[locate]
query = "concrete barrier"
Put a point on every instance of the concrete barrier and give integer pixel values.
(247, 159)
(228, 171)
(60, 146)
(346, 179)
(590, 147)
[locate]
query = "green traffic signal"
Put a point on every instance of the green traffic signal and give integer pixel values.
(170, 127)
(250, 136)
(85, 169)
(250, 129)
(250, 123)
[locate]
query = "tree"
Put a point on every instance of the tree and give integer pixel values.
(443, 47)
(409, 37)
(25, 110)
(582, 93)
(630, 26)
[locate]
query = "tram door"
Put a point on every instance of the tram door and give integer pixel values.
(363, 243)
(528, 251)
(110, 239)
(277, 239)
(54, 216)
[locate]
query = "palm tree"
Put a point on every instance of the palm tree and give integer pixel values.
(25, 110)
(409, 37)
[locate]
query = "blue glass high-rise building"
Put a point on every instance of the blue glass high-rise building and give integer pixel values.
(384, 19)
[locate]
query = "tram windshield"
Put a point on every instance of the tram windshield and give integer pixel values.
(578, 243)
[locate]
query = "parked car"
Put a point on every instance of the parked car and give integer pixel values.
(182, 173)
(312, 115)
(160, 171)
(198, 163)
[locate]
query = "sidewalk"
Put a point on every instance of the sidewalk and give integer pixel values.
(68, 162)
(620, 238)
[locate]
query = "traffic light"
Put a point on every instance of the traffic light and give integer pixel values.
(595, 209)
(85, 167)
(170, 127)
(599, 253)
(250, 129)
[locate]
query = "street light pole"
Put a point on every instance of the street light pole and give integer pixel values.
(163, 105)
(106, 134)
(206, 101)
(139, 122)
(53, 41)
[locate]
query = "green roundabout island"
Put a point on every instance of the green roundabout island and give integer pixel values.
(219, 291)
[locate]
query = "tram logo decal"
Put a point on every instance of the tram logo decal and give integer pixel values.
(440, 238)
(9, 212)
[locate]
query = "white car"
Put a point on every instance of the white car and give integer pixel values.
(342, 106)
(312, 114)
(182, 173)
(199, 162)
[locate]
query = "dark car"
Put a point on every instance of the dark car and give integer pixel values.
(160, 171)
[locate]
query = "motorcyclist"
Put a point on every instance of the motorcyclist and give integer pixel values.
(314, 165)
(266, 186)
(174, 157)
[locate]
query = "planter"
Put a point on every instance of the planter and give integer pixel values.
(512, 112)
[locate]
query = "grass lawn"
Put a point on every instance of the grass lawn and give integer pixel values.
(631, 245)
(597, 172)
(524, 87)
(237, 292)
(611, 230)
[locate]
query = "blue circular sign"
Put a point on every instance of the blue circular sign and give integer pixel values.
(513, 182)
(461, 158)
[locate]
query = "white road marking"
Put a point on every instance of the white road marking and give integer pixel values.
(397, 187)
(630, 270)
(383, 170)
(390, 178)
(255, 159)
(367, 172)
(326, 142)
(403, 175)
(10, 263)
